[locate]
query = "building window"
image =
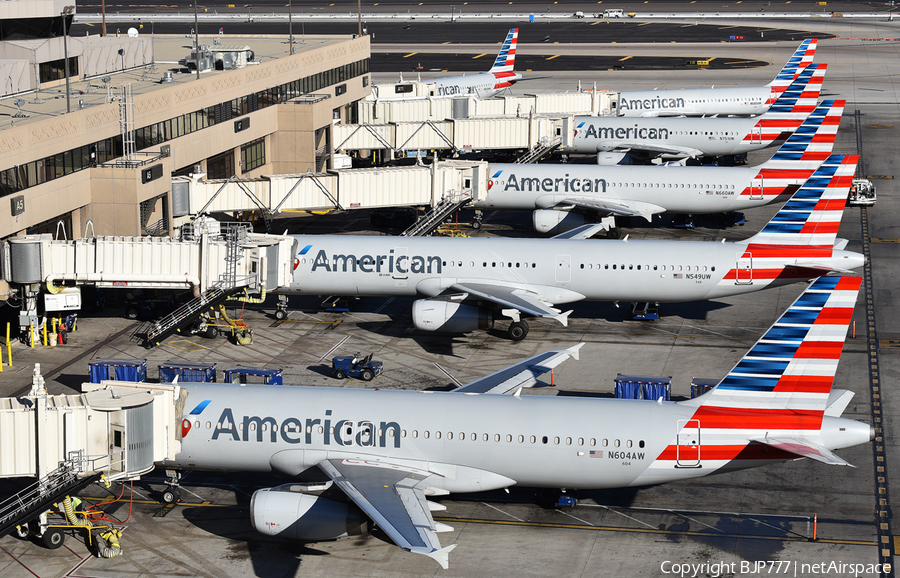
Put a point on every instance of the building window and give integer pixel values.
(54, 69)
(220, 166)
(253, 155)
(340, 89)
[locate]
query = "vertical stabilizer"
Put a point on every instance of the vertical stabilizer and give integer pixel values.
(812, 142)
(506, 59)
(801, 58)
(784, 381)
(813, 214)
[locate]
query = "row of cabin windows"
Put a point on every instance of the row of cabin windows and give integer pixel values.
(672, 186)
(725, 100)
(632, 267)
(704, 132)
(426, 434)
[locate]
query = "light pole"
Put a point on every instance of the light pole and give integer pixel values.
(291, 26)
(359, 15)
(451, 12)
(196, 41)
(65, 14)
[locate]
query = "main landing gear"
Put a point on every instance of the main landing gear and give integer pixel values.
(518, 330)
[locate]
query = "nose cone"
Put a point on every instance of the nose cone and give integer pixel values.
(848, 260)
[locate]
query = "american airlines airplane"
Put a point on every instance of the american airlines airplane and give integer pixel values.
(681, 137)
(378, 455)
(485, 84)
(730, 100)
(467, 282)
(562, 194)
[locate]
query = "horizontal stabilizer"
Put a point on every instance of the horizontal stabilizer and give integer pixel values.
(805, 449)
(838, 401)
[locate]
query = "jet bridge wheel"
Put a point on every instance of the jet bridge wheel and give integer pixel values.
(53, 538)
(518, 330)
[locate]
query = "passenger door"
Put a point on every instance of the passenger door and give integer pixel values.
(687, 450)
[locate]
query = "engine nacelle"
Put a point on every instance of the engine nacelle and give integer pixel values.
(556, 222)
(450, 316)
(296, 515)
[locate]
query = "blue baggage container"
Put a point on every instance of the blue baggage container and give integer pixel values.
(187, 372)
(240, 374)
(643, 387)
(118, 370)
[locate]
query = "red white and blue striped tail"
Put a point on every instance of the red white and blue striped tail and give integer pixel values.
(798, 100)
(783, 383)
(801, 58)
(812, 142)
(506, 59)
(813, 214)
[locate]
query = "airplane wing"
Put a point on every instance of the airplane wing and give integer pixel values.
(582, 232)
(805, 449)
(394, 497)
(524, 301)
(522, 374)
(642, 146)
(623, 208)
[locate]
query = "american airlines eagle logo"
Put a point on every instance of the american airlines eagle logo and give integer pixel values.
(578, 127)
(493, 177)
(186, 422)
(303, 251)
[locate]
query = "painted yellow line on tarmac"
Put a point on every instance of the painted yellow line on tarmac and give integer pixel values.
(554, 56)
(626, 58)
(645, 23)
(479, 56)
(410, 54)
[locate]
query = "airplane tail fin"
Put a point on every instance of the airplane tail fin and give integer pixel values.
(783, 383)
(790, 109)
(506, 59)
(801, 58)
(812, 142)
(812, 215)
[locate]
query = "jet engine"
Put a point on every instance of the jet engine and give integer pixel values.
(290, 512)
(556, 222)
(450, 316)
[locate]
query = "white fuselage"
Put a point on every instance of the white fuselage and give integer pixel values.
(481, 85)
(474, 442)
(731, 100)
(682, 136)
(677, 189)
(561, 271)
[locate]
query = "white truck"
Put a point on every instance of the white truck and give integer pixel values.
(862, 193)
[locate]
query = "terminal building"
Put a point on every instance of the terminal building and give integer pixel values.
(137, 113)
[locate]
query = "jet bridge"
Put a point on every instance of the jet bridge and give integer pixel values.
(112, 429)
(207, 256)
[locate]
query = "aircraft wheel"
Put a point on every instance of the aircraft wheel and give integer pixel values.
(339, 374)
(53, 538)
(367, 375)
(131, 313)
(280, 314)
(518, 330)
(614, 233)
(170, 496)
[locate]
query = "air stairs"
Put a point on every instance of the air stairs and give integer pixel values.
(539, 151)
(31, 502)
(153, 333)
(437, 215)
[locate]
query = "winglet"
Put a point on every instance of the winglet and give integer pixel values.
(573, 351)
(441, 556)
(564, 318)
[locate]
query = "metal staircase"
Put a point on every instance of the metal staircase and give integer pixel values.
(153, 333)
(34, 500)
(539, 151)
(437, 215)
